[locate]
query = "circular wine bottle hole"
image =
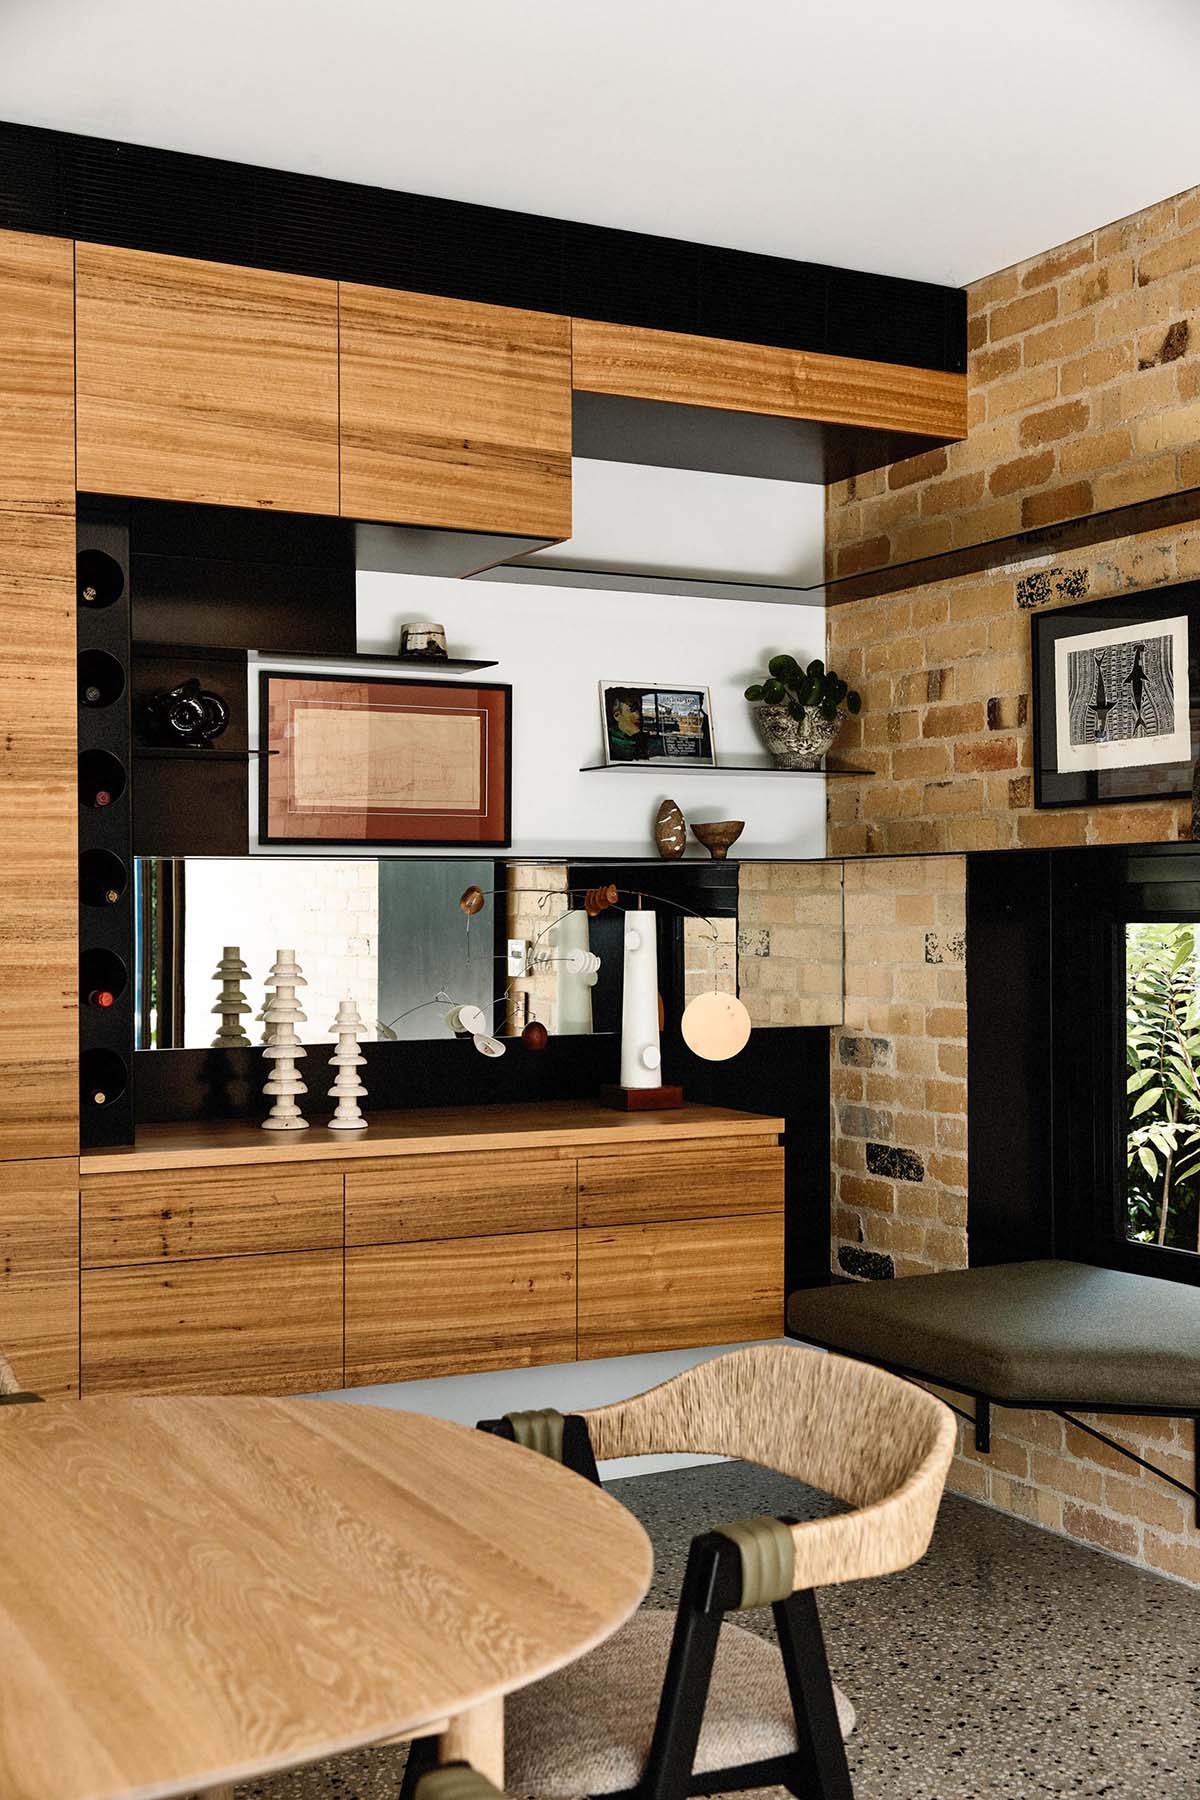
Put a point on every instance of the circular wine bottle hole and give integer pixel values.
(103, 1077)
(99, 579)
(103, 878)
(101, 678)
(102, 778)
(103, 977)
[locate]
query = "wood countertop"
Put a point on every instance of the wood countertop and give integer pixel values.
(426, 1132)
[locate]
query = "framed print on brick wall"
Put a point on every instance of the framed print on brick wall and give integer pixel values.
(1115, 698)
(386, 762)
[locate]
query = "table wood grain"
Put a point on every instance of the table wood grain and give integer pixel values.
(199, 1591)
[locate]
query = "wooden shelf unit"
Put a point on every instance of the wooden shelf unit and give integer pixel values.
(224, 1258)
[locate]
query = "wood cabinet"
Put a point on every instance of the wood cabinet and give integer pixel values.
(216, 1257)
(174, 1217)
(691, 1281)
(454, 413)
(459, 1305)
(222, 1325)
(690, 1181)
(400, 1200)
(206, 382)
(681, 369)
(39, 1273)
(37, 374)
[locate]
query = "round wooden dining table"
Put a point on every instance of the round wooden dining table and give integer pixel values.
(195, 1592)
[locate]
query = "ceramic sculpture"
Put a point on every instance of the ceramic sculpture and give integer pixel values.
(641, 1055)
(670, 831)
(284, 1049)
(231, 1004)
(347, 1089)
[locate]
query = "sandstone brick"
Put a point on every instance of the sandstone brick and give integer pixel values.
(1022, 472)
(1017, 395)
(1081, 374)
(1180, 251)
(1180, 1560)
(1098, 450)
(953, 721)
(1141, 228)
(976, 330)
(952, 495)
(1059, 263)
(1144, 480)
(1070, 501)
(988, 365)
(1095, 1528)
(1016, 317)
(1054, 422)
(986, 753)
(989, 290)
(1178, 428)
(917, 468)
(1136, 824)
(1058, 342)
(1077, 1480)
(930, 537)
(1044, 830)
(1090, 286)
(1150, 1501)
(855, 559)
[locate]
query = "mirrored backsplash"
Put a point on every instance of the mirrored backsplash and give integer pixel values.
(391, 934)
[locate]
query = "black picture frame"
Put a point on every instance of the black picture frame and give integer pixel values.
(1053, 787)
(499, 788)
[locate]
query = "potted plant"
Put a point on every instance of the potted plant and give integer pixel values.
(799, 711)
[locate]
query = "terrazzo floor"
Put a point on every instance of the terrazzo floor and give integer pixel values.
(1008, 1663)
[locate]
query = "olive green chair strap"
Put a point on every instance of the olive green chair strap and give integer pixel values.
(768, 1553)
(541, 1431)
(456, 1781)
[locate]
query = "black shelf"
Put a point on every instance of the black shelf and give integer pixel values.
(425, 664)
(690, 768)
(197, 753)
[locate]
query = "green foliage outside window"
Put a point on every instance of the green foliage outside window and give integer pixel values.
(1162, 1038)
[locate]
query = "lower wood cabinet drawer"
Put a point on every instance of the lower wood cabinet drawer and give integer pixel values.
(186, 1213)
(406, 1199)
(669, 1286)
(459, 1306)
(227, 1325)
(694, 1181)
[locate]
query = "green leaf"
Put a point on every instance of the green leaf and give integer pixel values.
(853, 701)
(784, 667)
(796, 711)
(816, 666)
(1150, 1098)
(1148, 1161)
(1139, 1080)
(755, 692)
(774, 693)
(828, 712)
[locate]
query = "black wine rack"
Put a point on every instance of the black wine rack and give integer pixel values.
(106, 888)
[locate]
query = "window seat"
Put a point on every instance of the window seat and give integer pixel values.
(1049, 1335)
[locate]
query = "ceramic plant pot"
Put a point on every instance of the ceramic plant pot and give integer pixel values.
(795, 745)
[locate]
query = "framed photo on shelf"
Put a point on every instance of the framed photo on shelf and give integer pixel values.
(645, 722)
(384, 761)
(1115, 692)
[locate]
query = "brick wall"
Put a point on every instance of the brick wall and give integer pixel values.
(1084, 378)
(790, 942)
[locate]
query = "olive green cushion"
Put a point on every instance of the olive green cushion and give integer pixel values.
(1054, 1332)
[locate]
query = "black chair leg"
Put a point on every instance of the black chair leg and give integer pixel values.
(422, 1756)
(823, 1772)
(711, 1584)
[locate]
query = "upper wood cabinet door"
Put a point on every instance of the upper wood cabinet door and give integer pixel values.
(455, 414)
(37, 374)
(205, 382)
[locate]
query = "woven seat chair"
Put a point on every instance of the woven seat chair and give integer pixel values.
(689, 1703)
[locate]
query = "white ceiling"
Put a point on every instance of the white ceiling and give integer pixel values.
(939, 138)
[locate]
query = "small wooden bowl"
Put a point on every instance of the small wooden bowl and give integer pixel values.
(718, 836)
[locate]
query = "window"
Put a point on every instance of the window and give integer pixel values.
(1162, 1054)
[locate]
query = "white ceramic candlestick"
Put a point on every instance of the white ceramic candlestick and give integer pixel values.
(282, 1014)
(641, 1054)
(347, 1089)
(231, 971)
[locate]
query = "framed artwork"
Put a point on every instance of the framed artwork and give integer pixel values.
(384, 761)
(1114, 694)
(644, 722)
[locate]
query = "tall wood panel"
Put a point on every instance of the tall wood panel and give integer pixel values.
(39, 1273)
(37, 374)
(455, 414)
(39, 1097)
(206, 382)
(676, 367)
